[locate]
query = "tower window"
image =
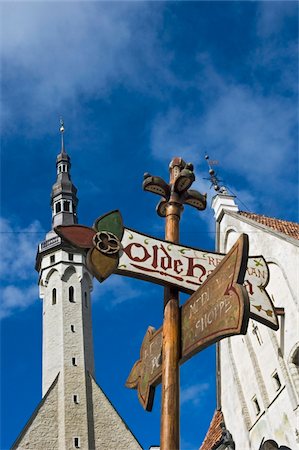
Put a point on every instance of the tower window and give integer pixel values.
(74, 362)
(71, 257)
(73, 328)
(54, 297)
(256, 405)
(76, 442)
(276, 381)
(64, 167)
(52, 259)
(85, 300)
(76, 399)
(66, 205)
(57, 207)
(71, 294)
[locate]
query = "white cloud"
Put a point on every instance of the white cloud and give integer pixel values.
(194, 393)
(18, 250)
(15, 299)
(18, 277)
(67, 50)
(114, 291)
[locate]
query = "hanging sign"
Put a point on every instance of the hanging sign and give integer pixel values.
(112, 248)
(219, 308)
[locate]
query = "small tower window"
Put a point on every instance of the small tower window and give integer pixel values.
(76, 399)
(76, 442)
(54, 297)
(57, 207)
(71, 257)
(85, 300)
(276, 381)
(64, 167)
(52, 259)
(256, 406)
(74, 362)
(73, 328)
(66, 205)
(71, 294)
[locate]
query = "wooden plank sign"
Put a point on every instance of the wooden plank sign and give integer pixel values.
(219, 308)
(187, 268)
(112, 248)
(147, 371)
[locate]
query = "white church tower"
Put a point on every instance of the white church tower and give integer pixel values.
(74, 411)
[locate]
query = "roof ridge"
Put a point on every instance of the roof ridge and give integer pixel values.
(286, 227)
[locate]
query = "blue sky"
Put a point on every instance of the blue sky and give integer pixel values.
(136, 83)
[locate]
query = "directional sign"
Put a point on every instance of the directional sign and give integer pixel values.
(187, 268)
(219, 308)
(147, 371)
(116, 249)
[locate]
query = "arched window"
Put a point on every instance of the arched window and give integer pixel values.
(66, 205)
(54, 296)
(71, 294)
(57, 207)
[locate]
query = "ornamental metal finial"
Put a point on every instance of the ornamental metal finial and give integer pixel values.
(214, 178)
(61, 129)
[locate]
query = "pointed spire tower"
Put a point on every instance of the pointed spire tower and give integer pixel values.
(74, 411)
(64, 199)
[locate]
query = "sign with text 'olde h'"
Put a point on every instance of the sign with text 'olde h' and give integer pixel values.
(219, 308)
(116, 249)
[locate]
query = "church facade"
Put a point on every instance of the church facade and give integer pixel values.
(74, 411)
(258, 374)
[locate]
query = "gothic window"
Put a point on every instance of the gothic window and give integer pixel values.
(85, 300)
(66, 205)
(54, 296)
(276, 381)
(57, 207)
(76, 442)
(256, 405)
(71, 294)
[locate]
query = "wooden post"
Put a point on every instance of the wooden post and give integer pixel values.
(170, 414)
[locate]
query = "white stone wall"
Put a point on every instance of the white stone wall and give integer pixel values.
(247, 365)
(41, 432)
(110, 431)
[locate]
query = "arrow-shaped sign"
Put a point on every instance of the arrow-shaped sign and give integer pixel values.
(219, 308)
(112, 248)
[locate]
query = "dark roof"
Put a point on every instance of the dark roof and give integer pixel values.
(290, 229)
(214, 433)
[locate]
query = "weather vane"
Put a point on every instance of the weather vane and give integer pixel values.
(214, 178)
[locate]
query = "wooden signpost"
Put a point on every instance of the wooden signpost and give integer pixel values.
(219, 306)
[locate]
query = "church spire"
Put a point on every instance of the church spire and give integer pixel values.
(63, 196)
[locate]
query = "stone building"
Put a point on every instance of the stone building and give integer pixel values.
(74, 411)
(258, 374)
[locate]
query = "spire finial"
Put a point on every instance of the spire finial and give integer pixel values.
(214, 179)
(61, 129)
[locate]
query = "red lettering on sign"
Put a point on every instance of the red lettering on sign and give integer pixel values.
(165, 260)
(192, 266)
(128, 252)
